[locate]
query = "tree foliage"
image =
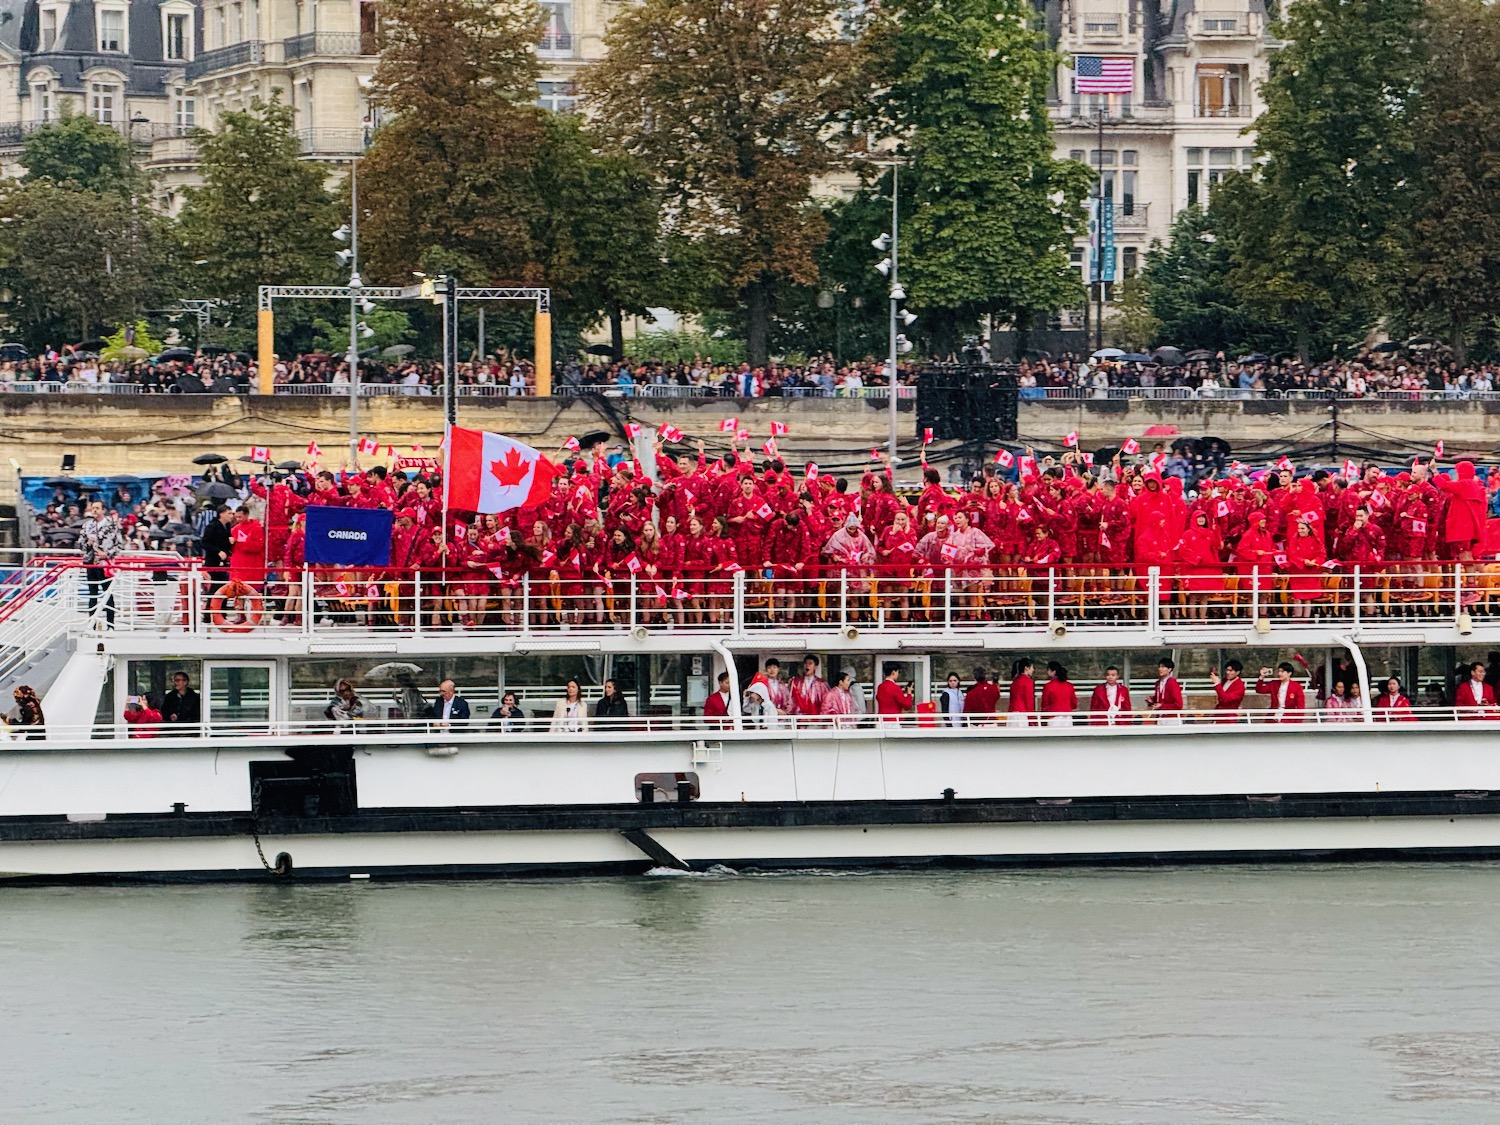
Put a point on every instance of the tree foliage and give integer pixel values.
(993, 213)
(262, 216)
(1446, 271)
(449, 183)
(77, 151)
(1310, 232)
(735, 105)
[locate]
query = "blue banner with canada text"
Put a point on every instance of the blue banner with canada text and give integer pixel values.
(348, 536)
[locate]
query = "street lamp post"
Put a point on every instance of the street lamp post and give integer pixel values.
(891, 267)
(356, 303)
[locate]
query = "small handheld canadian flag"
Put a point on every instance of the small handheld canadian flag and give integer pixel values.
(669, 432)
(1023, 515)
(769, 447)
(633, 564)
(1070, 439)
(572, 444)
(1377, 498)
(1437, 450)
(1131, 446)
(812, 472)
(948, 552)
(1279, 559)
(741, 435)
(765, 511)
(1005, 458)
(313, 450)
(368, 446)
(874, 455)
(1351, 471)
(729, 426)
(1419, 527)
(1158, 460)
(1330, 564)
(1088, 458)
(927, 435)
(260, 454)
(778, 429)
(1222, 509)
(1285, 465)
(632, 430)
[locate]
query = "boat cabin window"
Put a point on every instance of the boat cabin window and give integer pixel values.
(391, 687)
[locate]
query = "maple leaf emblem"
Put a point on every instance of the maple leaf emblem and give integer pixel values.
(511, 471)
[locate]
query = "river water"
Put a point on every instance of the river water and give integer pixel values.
(1195, 995)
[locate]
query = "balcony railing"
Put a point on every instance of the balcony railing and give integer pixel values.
(1222, 111)
(332, 142)
(563, 43)
(249, 53)
(1222, 23)
(330, 44)
(1130, 216)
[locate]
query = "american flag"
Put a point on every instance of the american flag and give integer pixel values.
(1104, 74)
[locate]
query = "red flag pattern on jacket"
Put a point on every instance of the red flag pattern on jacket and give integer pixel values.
(493, 473)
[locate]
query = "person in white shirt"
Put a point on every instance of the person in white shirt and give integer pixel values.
(449, 708)
(571, 715)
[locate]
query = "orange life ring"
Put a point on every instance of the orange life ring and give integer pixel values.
(253, 610)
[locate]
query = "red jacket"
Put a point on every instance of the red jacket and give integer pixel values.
(1099, 702)
(1464, 697)
(716, 707)
(1296, 699)
(892, 699)
(1059, 698)
(982, 699)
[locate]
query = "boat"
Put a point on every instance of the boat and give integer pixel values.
(264, 785)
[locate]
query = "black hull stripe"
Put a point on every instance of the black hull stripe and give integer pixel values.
(702, 815)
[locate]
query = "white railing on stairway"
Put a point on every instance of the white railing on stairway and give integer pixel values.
(40, 624)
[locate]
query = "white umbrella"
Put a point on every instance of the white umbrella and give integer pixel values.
(1107, 353)
(394, 668)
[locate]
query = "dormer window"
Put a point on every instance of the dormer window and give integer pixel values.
(112, 30)
(47, 39)
(177, 37)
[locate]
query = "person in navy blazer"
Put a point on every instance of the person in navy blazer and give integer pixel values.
(449, 707)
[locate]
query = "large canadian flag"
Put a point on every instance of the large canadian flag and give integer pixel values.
(493, 473)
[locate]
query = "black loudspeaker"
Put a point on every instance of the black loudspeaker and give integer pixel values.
(971, 403)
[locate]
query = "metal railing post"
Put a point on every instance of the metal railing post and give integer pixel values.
(416, 602)
(1051, 597)
(1255, 593)
(1458, 592)
(843, 598)
(1153, 598)
(526, 603)
(1358, 592)
(737, 608)
(632, 601)
(947, 599)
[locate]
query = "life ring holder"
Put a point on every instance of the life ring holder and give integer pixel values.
(252, 611)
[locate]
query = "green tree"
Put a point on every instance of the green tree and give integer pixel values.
(80, 152)
(601, 239)
(992, 212)
(450, 182)
(1309, 232)
(1133, 326)
(1446, 273)
(74, 261)
(736, 105)
(262, 216)
(1188, 291)
(137, 335)
(389, 327)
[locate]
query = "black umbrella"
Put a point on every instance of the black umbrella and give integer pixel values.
(595, 437)
(1386, 347)
(1169, 355)
(599, 349)
(290, 466)
(13, 351)
(1198, 355)
(215, 490)
(210, 459)
(123, 478)
(60, 482)
(1254, 357)
(176, 353)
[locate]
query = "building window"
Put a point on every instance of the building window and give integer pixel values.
(1105, 157)
(1127, 193)
(104, 102)
(179, 36)
(1101, 25)
(558, 97)
(111, 29)
(184, 110)
(237, 23)
(557, 31)
(1130, 261)
(41, 102)
(48, 38)
(1220, 23)
(1201, 180)
(221, 26)
(1092, 105)
(1077, 154)
(1075, 257)
(1128, 157)
(1221, 91)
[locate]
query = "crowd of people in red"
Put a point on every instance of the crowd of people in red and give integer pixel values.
(676, 537)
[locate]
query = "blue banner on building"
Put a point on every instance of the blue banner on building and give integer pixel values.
(348, 536)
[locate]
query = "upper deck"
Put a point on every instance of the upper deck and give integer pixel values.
(168, 605)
